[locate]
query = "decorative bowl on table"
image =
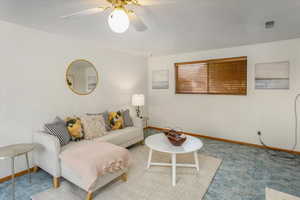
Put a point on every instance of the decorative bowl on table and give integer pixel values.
(175, 137)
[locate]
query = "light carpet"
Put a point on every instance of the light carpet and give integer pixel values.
(276, 195)
(145, 184)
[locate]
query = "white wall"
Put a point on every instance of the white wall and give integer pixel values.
(231, 117)
(33, 88)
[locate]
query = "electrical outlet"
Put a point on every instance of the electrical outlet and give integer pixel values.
(258, 133)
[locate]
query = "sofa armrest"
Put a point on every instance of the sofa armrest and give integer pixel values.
(46, 155)
(47, 141)
(138, 122)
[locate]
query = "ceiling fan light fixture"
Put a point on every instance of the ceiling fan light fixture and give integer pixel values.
(118, 20)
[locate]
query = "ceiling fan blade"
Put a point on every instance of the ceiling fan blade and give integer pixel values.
(137, 22)
(155, 2)
(91, 11)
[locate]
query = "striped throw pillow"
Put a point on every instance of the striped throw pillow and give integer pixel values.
(58, 129)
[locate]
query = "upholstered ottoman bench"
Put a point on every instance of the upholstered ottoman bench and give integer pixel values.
(93, 164)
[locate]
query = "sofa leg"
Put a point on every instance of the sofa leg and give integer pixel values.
(56, 182)
(35, 169)
(124, 177)
(89, 196)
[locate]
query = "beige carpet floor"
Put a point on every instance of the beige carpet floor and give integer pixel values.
(276, 195)
(146, 184)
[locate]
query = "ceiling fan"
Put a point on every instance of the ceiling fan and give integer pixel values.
(120, 17)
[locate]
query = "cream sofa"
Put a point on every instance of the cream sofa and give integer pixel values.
(47, 154)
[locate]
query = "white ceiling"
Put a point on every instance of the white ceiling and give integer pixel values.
(182, 26)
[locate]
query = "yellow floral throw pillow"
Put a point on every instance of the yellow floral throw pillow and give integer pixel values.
(74, 127)
(116, 120)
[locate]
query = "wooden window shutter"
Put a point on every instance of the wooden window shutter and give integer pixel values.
(192, 78)
(218, 76)
(228, 77)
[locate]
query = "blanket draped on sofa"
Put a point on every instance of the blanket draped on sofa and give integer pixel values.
(93, 159)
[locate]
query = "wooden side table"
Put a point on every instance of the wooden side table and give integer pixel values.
(13, 151)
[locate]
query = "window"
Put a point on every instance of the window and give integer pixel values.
(218, 76)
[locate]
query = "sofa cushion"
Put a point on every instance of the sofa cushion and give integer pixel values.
(117, 137)
(121, 136)
(116, 120)
(94, 126)
(127, 118)
(131, 109)
(74, 126)
(58, 129)
(105, 117)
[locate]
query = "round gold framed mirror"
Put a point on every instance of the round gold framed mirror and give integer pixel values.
(82, 77)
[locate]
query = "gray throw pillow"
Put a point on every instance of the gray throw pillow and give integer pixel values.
(105, 117)
(127, 118)
(58, 129)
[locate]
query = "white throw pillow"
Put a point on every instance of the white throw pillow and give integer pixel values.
(94, 126)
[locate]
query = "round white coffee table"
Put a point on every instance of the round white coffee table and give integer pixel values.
(160, 142)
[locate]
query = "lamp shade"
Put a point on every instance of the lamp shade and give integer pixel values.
(138, 100)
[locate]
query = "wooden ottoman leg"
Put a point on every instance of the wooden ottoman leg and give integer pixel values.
(56, 182)
(89, 196)
(124, 177)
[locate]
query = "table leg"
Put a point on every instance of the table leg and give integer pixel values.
(28, 168)
(13, 177)
(196, 160)
(174, 169)
(149, 159)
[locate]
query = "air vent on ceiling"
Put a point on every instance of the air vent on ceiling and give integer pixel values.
(269, 24)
